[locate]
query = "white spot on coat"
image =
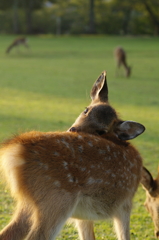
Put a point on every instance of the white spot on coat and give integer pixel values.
(65, 142)
(96, 139)
(45, 166)
(80, 137)
(115, 155)
(56, 154)
(124, 155)
(83, 169)
(99, 180)
(65, 164)
(70, 177)
(91, 180)
(90, 143)
(107, 183)
(108, 148)
(57, 183)
(73, 152)
(80, 148)
(101, 151)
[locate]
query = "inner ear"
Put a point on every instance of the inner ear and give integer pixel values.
(100, 89)
(128, 130)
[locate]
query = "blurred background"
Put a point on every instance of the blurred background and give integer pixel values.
(79, 17)
(51, 53)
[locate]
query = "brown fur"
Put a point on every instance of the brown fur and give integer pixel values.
(17, 42)
(74, 170)
(151, 187)
(120, 56)
(57, 175)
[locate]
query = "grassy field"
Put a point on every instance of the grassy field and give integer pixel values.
(47, 87)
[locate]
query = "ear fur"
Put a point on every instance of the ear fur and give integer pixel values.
(128, 130)
(147, 180)
(100, 89)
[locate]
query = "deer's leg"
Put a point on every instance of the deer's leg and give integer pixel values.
(51, 215)
(85, 229)
(118, 68)
(119, 64)
(19, 227)
(122, 222)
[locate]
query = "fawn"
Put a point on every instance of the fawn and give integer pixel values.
(17, 42)
(152, 197)
(120, 56)
(54, 176)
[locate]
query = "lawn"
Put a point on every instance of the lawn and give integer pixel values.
(46, 87)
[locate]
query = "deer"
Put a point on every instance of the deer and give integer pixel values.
(151, 187)
(120, 56)
(17, 42)
(54, 176)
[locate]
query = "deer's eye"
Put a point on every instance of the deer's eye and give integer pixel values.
(86, 110)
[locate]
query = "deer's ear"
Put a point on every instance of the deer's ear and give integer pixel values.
(100, 90)
(147, 180)
(128, 130)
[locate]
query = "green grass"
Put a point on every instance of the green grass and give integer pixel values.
(47, 87)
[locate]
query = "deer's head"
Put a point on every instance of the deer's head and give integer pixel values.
(152, 197)
(128, 71)
(99, 117)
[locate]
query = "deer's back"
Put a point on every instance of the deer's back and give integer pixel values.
(99, 169)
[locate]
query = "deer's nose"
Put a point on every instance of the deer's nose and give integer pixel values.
(157, 234)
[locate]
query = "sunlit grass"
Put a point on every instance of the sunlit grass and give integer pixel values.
(47, 87)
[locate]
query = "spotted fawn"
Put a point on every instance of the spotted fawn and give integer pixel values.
(54, 176)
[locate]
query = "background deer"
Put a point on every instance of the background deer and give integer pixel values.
(17, 42)
(54, 176)
(120, 56)
(152, 197)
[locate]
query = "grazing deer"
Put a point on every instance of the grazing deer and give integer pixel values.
(120, 56)
(152, 197)
(17, 42)
(57, 175)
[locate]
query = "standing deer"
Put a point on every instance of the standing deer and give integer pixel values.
(120, 56)
(57, 175)
(152, 197)
(17, 42)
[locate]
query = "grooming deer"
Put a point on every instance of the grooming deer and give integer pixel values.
(17, 42)
(151, 187)
(120, 56)
(54, 176)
